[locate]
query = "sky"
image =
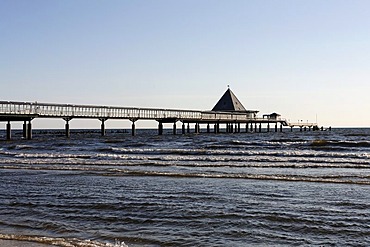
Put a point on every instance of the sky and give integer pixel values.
(305, 60)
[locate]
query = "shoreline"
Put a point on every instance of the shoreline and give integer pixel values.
(22, 243)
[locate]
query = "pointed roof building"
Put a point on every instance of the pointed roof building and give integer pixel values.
(229, 103)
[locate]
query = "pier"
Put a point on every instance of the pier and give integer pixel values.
(228, 113)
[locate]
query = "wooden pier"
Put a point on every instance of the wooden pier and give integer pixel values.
(11, 111)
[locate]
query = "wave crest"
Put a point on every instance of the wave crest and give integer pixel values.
(64, 242)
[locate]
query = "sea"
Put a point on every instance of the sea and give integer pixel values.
(309, 188)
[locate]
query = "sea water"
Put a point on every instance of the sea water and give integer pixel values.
(246, 189)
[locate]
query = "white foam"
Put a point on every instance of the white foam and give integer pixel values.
(63, 242)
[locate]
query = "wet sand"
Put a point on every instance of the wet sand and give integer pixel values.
(15, 243)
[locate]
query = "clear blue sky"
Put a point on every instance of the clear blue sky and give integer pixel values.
(299, 58)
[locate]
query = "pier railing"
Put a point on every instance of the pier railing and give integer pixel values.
(46, 110)
(301, 124)
(27, 111)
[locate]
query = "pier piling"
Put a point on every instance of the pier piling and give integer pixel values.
(68, 133)
(25, 129)
(133, 129)
(102, 127)
(29, 130)
(160, 128)
(174, 128)
(8, 131)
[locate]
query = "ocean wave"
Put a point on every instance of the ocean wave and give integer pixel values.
(345, 178)
(326, 143)
(294, 178)
(63, 242)
(196, 154)
(188, 161)
(20, 147)
(237, 152)
(287, 140)
(52, 155)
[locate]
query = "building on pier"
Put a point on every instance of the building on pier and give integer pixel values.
(272, 116)
(230, 103)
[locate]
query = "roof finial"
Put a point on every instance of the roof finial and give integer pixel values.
(228, 86)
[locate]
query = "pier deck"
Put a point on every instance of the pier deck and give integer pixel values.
(27, 111)
(13, 111)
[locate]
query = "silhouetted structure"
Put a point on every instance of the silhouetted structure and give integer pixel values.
(228, 111)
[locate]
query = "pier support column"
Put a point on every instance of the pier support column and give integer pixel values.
(238, 127)
(291, 129)
(268, 127)
(183, 128)
(255, 127)
(102, 126)
(246, 128)
(68, 132)
(133, 126)
(300, 128)
(196, 128)
(281, 127)
(215, 128)
(174, 128)
(260, 128)
(133, 129)
(8, 131)
(29, 130)
(218, 128)
(160, 128)
(276, 127)
(208, 128)
(188, 130)
(251, 127)
(25, 130)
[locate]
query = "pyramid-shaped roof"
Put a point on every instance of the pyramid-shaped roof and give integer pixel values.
(229, 102)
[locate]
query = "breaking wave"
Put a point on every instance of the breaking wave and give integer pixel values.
(63, 242)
